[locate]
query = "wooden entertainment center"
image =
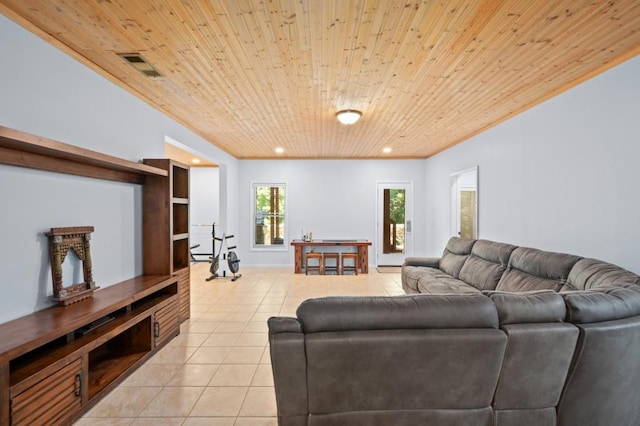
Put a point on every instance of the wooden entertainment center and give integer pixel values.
(58, 362)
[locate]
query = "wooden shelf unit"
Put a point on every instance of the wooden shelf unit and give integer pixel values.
(166, 226)
(54, 366)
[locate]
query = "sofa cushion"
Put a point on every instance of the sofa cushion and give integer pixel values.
(455, 254)
(444, 284)
(397, 312)
(531, 269)
(530, 307)
(411, 275)
(602, 388)
(428, 262)
(457, 245)
(434, 274)
(534, 417)
(606, 305)
(390, 370)
(535, 365)
(488, 261)
(405, 417)
(589, 274)
(452, 263)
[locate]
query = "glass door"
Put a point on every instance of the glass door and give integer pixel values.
(394, 232)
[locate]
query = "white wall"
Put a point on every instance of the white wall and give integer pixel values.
(561, 176)
(47, 93)
(204, 207)
(331, 198)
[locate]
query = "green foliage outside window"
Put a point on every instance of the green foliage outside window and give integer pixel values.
(396, 205)
(263, 199)
(269, 216)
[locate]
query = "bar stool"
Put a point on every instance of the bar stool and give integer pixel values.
(318, 267)
(348, 256)
(333, 268)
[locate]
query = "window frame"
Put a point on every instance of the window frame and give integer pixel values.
(252, 218)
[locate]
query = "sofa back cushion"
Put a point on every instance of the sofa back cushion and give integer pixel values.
(608, 304)
(391, 370)
(455, 254)
(486, 264)
(539, 351)
(535, 366)
(544, 306)
(377, 354)
(590, 274)
(348, 313)
(531, 269)
(602, 388)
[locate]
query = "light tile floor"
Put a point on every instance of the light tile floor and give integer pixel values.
(218, 371)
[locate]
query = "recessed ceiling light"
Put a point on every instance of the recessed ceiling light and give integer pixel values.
(196, 161)
(386, 150)
(279, 150)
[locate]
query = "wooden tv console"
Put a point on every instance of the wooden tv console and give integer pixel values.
(57, 363)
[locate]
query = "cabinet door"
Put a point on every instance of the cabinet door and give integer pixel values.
(184, 294)
(166, 325)
(52, 401)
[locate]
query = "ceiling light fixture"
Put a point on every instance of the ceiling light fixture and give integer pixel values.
(387, 150)
(279, 150)
(348, 116)
(195, 161)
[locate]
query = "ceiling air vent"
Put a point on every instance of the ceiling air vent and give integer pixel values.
(138, 62)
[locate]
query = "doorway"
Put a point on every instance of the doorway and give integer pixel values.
(394, 239)
(464, 204)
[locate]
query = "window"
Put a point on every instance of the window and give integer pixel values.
(268, 224)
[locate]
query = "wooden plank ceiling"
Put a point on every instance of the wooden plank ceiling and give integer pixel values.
(253, 75)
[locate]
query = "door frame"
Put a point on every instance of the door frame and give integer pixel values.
(408, 217)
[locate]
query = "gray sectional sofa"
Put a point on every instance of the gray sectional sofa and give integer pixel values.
(501, 335)
(473, 266)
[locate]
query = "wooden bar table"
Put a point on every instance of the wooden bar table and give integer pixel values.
(361, 245)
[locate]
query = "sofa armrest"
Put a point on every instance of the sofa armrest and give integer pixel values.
(429, 262)
(289, 366)
(284, 325)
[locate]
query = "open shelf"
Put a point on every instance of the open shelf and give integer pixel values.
(181, 219)
(26, 150)
(114, 357)
(37, 360)
(45, 356)
(180, 254)
(180, 181)
(167, 230)
(59, 361)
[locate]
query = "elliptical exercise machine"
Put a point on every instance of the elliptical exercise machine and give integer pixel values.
(232, 259)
